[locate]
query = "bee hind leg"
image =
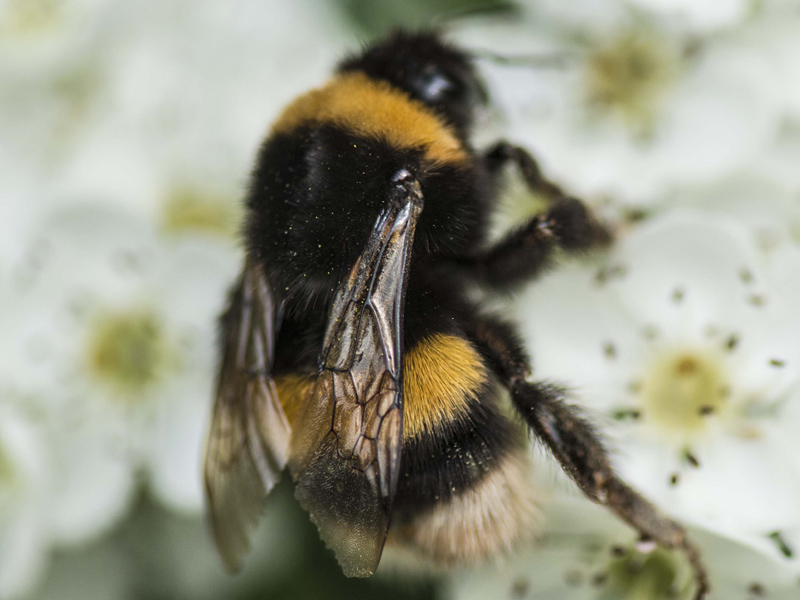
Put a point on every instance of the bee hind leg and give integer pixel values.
(576, 445)
(580, 452)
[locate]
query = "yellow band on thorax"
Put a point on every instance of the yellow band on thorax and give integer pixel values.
(374, 109)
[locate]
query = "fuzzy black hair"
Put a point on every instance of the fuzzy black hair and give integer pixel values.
(428, 69)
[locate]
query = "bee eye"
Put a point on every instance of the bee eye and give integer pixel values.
(433, 85)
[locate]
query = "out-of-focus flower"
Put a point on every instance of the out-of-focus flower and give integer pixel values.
(19, 210)
(778, 36)
(63, 480)
(157, 550)
(23, 485)
(779, 162)
(52, 74)
(640, 106)
(764, 205)
(128, 133)
(697, 17)
(124, 329)
(586, 554)
(177, 107)
(690, 354)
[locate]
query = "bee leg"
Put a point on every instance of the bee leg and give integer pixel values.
(505, 152)
(580, 452)
(576, 445)
(572, 223)
(529, 250)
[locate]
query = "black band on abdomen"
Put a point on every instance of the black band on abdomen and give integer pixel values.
(458, 454)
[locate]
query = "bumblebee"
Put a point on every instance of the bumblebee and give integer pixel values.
(353, 352)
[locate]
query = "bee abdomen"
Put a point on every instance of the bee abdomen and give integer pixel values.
(454, 457)
(453, 431)
(496, 515)
(464, 491)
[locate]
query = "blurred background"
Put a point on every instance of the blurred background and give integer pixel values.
(127, 132)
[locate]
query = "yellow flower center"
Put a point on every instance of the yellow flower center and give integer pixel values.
(626, 78)
(128, 352)
(76, 89)
(638, 576)
(187, 210)
(9, 478)
(682, 389)
(29, 17)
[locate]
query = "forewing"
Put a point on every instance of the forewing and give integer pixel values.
(249, 436)
(345, 453)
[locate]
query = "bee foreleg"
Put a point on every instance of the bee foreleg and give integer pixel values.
(505, 152)
(572, 223)
(529, 250)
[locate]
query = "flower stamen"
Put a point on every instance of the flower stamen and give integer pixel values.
(29, 17)
(128, 351)
(626, 78)
(636, 575)
(10, 478)
(186, 210)
(681, 390)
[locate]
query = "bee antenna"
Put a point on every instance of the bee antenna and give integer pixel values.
(553, 60)
(492, 9)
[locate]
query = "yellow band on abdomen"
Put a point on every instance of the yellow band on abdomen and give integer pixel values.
(442, 374)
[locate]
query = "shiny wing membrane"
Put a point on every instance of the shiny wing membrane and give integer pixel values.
(345, 452)
(249, 437)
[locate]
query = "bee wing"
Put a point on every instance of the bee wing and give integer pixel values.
(345, 452)
(249, 437)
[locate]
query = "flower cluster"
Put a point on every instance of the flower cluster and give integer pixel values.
(129, 128)
(679, 122)
(128, 131)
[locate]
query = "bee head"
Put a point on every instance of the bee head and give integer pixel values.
(429, 70)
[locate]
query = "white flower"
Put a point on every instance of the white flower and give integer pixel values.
(786, 9)
(23, 481)
(125, 327)
(689, 355)
(779, 161)
(784, 268)
(53, 69)
(37, 32)
(698, 17)
(62, 481)
(19, 211)
(585, 553)
(640, 107)
(125, 103)
(760, 202)
(778, 36)
(193, 89)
